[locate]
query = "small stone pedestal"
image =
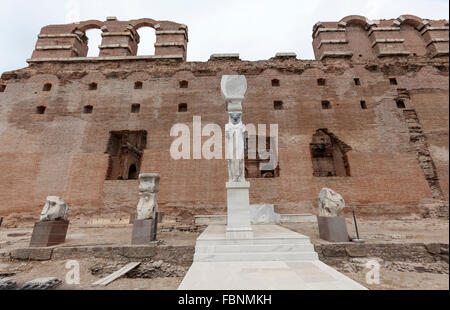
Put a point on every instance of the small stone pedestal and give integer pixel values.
(239, 225)
(144, 231)
(333, 229)
(49, 233)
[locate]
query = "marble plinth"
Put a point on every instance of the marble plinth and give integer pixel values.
(238, 206)
(276, 258)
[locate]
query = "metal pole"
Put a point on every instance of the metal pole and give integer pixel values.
(356, 225)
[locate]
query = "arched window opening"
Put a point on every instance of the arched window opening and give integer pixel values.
(47, 87)
(132, 172)
(321, 82)
(276, 83)
(182, 107)
(329, 155)
(326, 105)
(184, 84)
(135, 108)
(88, 109)
(146, 45)
(94, 41)
(261, 165)
(125, 149)
(40, 109)
(278, 105)
(400, 104)
(138, 85)
(363, 104)
(93, 86)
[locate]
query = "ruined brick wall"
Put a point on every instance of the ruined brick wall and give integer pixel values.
(356, 37)
(393, 164)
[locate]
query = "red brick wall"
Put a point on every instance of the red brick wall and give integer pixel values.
(63, 151)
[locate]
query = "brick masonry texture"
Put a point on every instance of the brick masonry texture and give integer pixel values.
(394, 166)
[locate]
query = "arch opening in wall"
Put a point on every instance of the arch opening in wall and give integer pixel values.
(184, 84)
(125, 150)
(329, 155)
(258, 163)
(400, 104)
(47, 87)
(41, 109)
(146, 46)
(135, 108)
(88, 109)
(93, 86)
(132, 172)
(94, 37)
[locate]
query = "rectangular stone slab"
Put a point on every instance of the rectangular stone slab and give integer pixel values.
(333, 229)
(144, 231)
(50, 233)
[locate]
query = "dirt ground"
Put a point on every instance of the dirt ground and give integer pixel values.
(405, 230)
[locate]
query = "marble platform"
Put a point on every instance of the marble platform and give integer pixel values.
(275, 259)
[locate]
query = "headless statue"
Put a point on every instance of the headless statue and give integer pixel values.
(235, 147)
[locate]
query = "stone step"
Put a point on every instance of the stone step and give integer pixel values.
(255, 248)
(273, 241)
(250, 256)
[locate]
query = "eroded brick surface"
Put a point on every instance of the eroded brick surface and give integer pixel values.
(396, 158)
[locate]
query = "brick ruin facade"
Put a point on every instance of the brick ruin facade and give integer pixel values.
(368, 118)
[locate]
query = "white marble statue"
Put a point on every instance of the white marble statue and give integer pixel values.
(330, 203)
(148, 192)
(235, 147)
(55, 209)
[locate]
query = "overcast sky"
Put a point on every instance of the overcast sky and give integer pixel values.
(257, 29)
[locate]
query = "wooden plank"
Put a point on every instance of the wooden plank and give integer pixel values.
(114, 276)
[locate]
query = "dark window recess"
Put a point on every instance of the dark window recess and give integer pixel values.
(93, 86)
(329, 155)
(2, 88)
(47, 87)
(184, 84)
(135, 108)
(321, 82)
(278, 105)
(326, 105)
(393, 81)
(276, 83)
(255, 166)
(138, 85)
(400, 104)
(132, 172)
(182, 107)
(125, 149)
(357, 81)
(363, 104)
(40, 109)
(88, 109)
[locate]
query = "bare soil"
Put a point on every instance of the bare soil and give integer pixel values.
(393, 275)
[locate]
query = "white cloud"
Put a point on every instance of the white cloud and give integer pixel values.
(256, 29)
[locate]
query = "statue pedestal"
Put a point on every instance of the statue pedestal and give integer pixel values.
(50, 233)
(238, 205)
(144, 231)
(333, 229)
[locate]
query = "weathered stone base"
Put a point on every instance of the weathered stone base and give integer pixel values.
(144, 231)
(47, 234)
(333, 229)
(238, 206)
